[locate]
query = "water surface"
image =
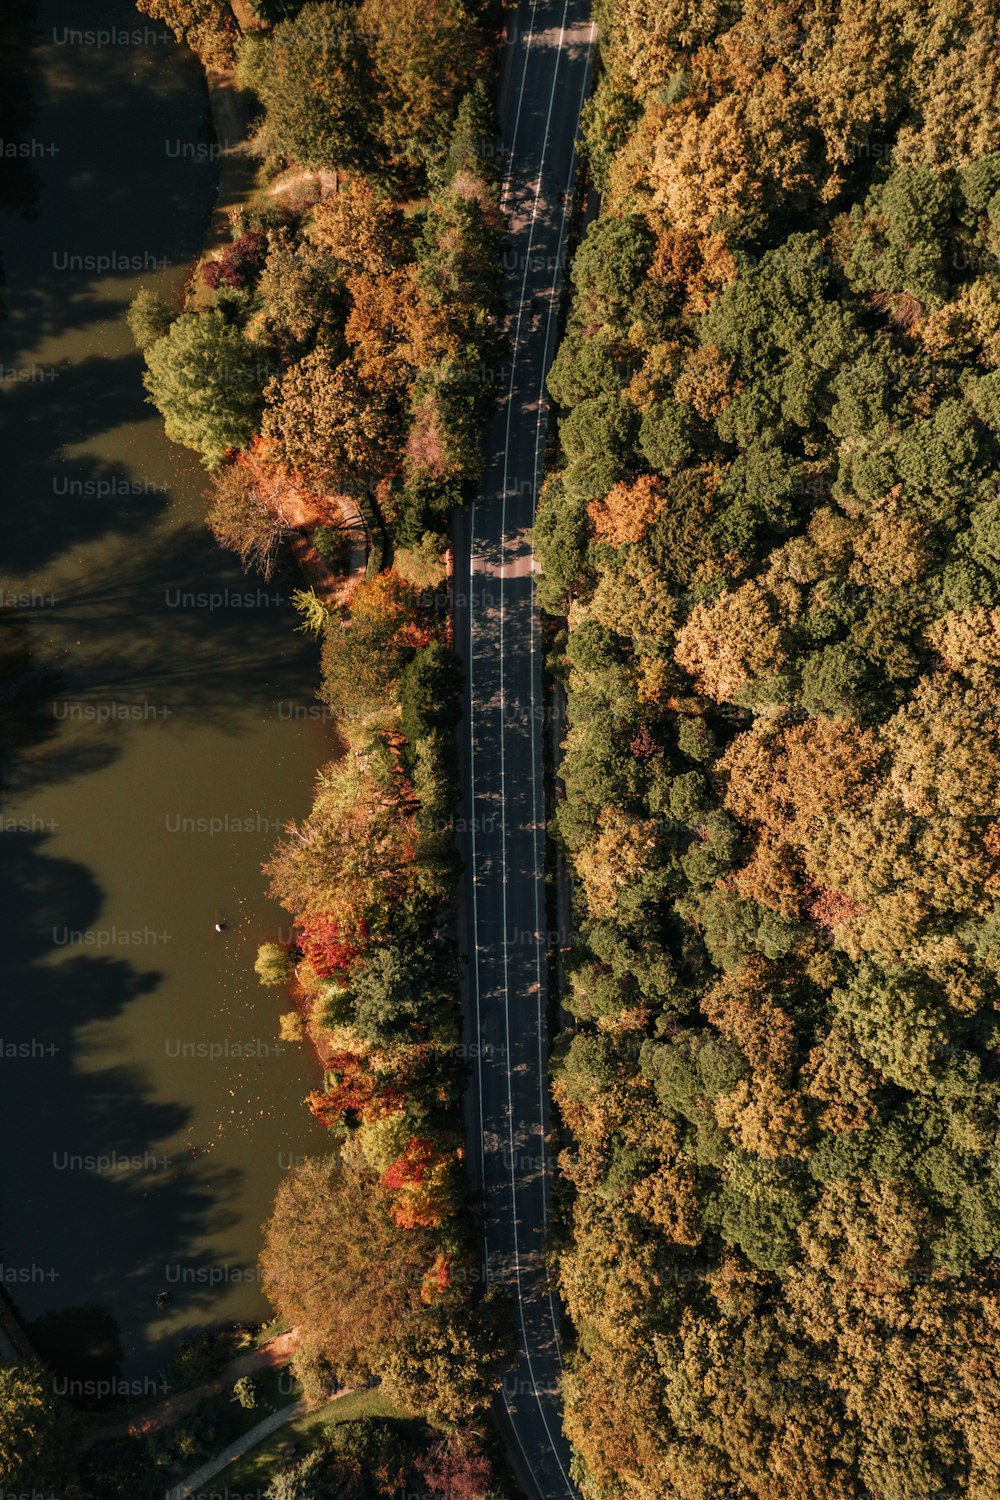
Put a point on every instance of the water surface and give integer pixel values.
(159, 724)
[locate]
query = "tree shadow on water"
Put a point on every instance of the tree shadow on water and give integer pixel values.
(173, 634)
(52, 503)
(18, 78)
(93, 1212)
(82, 1346)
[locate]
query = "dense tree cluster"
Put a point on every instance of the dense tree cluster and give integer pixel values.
(776, 536)
(370, 1251)
(370, 86)
(343, 345)
(371, 1457)
(211, 28)
(39, 1432)
(358, 340)
(355, 338)
(367, 876)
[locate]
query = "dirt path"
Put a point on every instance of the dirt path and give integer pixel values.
(236, 1450)
(248, 1441)
(304, 510)
(277, 1351)
(232, 111)
(326, 182)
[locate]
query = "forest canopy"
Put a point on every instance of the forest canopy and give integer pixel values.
(775, 537)
(332, 364)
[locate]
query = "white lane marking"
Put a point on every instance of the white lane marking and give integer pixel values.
(477, 986)
(472, 662)
(535, 723)
(517, 116)
(472, 738)
(475, 907)
(472, 697)
(503, 779)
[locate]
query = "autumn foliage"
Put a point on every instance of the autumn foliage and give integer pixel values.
(329, 948)
(627, 511)
(332, 360)
(774, 538)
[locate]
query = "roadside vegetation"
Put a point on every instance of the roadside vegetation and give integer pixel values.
(360, 1445)
(372, 1449)
(341, 349)
(38, 1432)
(48, 1439)
(775, 539)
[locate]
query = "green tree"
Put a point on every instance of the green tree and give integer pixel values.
(473, 148)
(429, 692)
(312, 73)
(608, 269)
(245, 1392)
(301, 1481)
(760, 1208)
(586, 365)
(369, 1458)
(837, 680)
(598, 438)
(452, 1365)
(315, 613)
(38, 1433)
(206, 381)
(301, 297)
(901, 1024)
(398, 994)
(906, 253)
(149, 318)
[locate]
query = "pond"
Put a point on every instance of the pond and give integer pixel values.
(158, 727)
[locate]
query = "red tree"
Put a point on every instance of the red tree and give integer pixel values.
(832, 909)
(329, 946)
(456, 1468)
(239, 264)
(643, 744)
(410, 1169)
(353, 1088)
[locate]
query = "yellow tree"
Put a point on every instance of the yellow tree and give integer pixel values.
(623, 853)
(423, 54)
(350, 859)
(627, 511)
(360, 231)
(323, 419)
(730, 643)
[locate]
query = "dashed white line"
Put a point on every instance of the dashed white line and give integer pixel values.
(535, 726)
(476, 972)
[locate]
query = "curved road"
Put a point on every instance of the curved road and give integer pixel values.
(547, 65)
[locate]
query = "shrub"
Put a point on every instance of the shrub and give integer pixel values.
(207, 382)
(245, 1392)
(149, 318)
(274, 964)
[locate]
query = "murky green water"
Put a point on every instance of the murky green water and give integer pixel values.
(160, 711)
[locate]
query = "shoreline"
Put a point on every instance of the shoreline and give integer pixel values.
(232, 112)
(94, 420)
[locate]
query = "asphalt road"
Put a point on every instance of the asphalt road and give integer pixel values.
(546, 72)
